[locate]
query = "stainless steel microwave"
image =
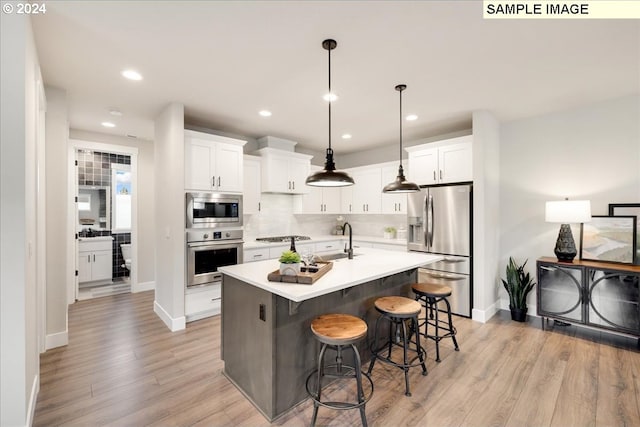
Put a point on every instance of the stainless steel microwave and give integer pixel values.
(212, 210)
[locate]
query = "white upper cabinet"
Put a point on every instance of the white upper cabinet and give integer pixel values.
(364, 195)
(319, 200)
(284, 171)
(392, 203)
(213, 162)
(251, 185)
(441, 162)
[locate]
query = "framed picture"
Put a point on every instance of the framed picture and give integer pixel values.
(619, 209)
(609, 238)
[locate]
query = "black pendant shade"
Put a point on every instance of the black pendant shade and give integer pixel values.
(329, 176)
(401, 185)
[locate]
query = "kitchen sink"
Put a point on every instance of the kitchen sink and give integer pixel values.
(332, 257)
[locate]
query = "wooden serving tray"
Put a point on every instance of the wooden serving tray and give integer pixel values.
(303, 278)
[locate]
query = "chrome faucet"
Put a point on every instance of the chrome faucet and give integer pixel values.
(350, 250)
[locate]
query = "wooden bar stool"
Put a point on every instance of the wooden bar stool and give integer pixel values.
(397, 311)
(337, 331)
(430, 294)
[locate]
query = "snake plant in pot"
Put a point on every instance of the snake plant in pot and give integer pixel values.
(518, 285)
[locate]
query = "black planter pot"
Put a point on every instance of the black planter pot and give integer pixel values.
(518, 314)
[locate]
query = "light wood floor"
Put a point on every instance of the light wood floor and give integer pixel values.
(123, 367)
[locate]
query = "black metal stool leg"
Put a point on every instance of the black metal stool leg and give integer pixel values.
(419, 348)
(359, 384)
(437, 328)
(405, 348)
(452, 331)
(375, 346)
(319, 385)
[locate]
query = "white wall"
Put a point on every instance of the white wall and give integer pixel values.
(146, 196)
(170, 216)
(57, 131)
(19, 363)
(588, 153)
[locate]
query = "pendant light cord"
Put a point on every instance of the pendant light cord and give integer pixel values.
(401, 128)
(329, 51)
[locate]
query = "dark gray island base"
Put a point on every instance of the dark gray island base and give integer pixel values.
(267, 345)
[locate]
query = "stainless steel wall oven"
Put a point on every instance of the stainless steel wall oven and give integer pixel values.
(209, 249)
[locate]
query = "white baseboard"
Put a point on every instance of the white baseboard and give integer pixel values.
(483, 316)
(174, 324)
(56, 340)
(35, 388)
(144, 286)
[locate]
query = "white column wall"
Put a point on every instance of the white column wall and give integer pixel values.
(486, 213)
(19, 362)
(170, 216)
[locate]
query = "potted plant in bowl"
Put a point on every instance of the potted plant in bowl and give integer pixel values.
(389, 232)
(289, 263)
(518, 285)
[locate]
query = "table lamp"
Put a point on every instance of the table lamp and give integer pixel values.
(566, 212)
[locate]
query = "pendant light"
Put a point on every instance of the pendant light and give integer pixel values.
(401, 185)
(329, 176)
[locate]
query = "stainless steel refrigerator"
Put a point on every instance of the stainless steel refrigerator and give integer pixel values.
(439, 220)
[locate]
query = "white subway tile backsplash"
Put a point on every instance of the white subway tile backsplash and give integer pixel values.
(276, 218)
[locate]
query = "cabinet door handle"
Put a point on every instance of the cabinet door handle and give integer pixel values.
(434, 175)
(94, 257)
(88, 258)
(293, 184)
(213, 181)
(257, 256)
(349, 207)
(219, 181)
(440, 173)
(399, 207)
(259, 207)
(289, 185)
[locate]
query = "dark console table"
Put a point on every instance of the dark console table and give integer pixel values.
(596, 294)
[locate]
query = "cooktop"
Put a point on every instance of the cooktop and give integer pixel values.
(277, 239)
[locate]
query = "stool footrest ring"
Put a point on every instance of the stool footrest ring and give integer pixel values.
(340, 405)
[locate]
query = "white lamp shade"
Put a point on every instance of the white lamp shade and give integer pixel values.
(568, 211)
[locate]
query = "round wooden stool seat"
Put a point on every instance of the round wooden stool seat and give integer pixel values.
(398, 306)
(431, 290)
(338, 329)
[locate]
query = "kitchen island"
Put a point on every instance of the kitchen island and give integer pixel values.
(267, 345)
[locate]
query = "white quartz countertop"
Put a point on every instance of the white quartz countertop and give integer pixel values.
(368, 264)
(251, 243)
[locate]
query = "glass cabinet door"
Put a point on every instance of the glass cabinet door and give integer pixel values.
(613, 299)
(560, 292)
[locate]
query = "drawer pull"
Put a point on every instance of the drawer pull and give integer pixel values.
(548, 268)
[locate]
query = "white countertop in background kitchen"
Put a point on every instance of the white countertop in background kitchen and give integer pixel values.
(250, 243)
(368, 264)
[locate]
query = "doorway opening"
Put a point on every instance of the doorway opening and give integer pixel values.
(104, 182)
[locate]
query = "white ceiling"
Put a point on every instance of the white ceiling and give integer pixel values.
(226, 60)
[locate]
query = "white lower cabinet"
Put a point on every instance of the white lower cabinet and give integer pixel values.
(94, 260)
(202, 301)
(257, 254)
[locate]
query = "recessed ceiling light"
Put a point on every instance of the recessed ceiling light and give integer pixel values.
(412, 117)
(115, 112)
(330, 97)
(346, 136)
(132, 75)
(108, 124)
(265, 113)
